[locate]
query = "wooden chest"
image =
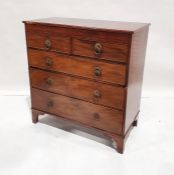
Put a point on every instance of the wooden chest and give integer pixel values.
(88, 71)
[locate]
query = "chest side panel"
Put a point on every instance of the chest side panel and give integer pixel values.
(135, 75)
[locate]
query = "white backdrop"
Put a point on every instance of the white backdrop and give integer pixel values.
(159, 68)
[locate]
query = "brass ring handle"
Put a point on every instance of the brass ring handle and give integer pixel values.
(96, 116)
(98, 48)
(97, 71)
(47, 44)
(97, 94)
(49, 62)
(50, 103)
(49, 81)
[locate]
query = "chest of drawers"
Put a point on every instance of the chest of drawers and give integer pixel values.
(87, 71)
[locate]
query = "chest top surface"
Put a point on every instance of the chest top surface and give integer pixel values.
(127, 27)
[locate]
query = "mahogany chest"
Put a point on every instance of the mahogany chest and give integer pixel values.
(87, 71)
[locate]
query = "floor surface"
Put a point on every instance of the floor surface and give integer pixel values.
(46, 149)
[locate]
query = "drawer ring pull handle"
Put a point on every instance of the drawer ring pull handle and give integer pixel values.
(49, 81)
(47, 44)
(49, 62)
(50, 103)
(97, 71)
(96, 116)
(98, 48)
(97, 94)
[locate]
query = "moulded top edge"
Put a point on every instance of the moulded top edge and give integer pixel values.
(128, 27)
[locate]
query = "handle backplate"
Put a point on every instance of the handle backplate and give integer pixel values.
(97, 71)
(98, 48)
(47, 44)
(50, 103)
(48, 61)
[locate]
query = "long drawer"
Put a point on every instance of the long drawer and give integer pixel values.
(96, 70)
(91, 91)
(87, 113)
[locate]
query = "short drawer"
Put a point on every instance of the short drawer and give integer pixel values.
(87, 113)
(101, 50)
(47, 39)
(91, 91)
(96, 70)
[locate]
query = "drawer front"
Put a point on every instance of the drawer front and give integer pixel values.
(94, 92)
(101, 50)
(90, 114)
(44, 38)
(96, 70)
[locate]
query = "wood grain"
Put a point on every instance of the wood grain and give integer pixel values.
(94, 115)
(116, 26)
(111, 96)
(110, 51)
(100, 36)
(59, 43)
(135, 76)
(112, 73)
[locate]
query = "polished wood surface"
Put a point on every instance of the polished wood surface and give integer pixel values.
(135, 76)
(94, 115)
(112, 73)
(118, 26)
(91, 91)
(87, 71)
(109, 51)
(78, 33)
(58, 43)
